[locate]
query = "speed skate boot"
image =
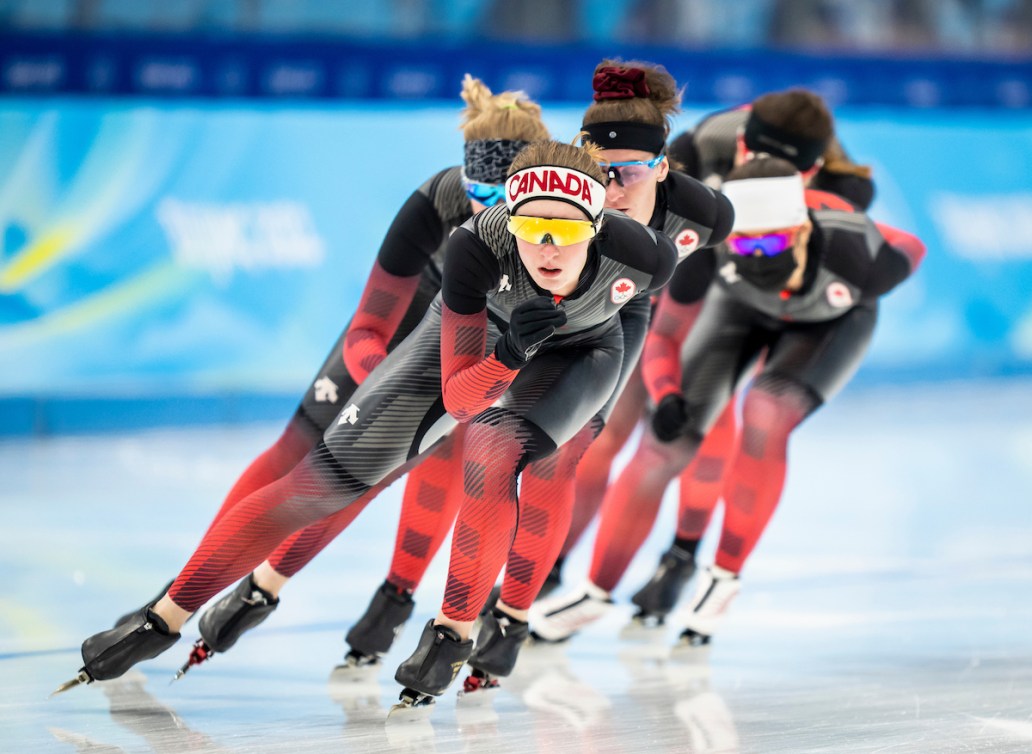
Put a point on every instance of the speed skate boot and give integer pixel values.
(558, 618)
(717, 588)
(430, 670)
(498, 646)
(227, 620)
(128, 616)
(374, 634)
(111, 653)
(657, 598)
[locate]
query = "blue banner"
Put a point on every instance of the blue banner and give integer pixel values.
(338, 68)
(213, 249)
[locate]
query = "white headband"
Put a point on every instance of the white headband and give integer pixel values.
(554, 182)
(767, 203)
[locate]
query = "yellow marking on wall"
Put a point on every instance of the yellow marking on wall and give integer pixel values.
(32, 261)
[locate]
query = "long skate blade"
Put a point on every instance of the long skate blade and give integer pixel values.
(411, 709)
(476, 690)
(198, 654)
(81, 677)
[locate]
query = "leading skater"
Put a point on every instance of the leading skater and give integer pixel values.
(404, 280)
(542, 300)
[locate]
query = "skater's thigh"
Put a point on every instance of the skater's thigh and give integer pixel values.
(561, 390)
(822, 357)
(397, 412)
(724, 342)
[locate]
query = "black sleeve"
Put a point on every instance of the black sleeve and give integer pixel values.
(415, 234)
(890, 268)
(629, 242)
(693, 276)
(667, 262)
(634, 317)
(701, 205)
(470, 271)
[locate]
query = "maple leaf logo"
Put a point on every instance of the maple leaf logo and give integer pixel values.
(687, 242)
(622, 291)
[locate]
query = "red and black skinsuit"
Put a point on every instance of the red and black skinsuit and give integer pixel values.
(696, 218)
(708, 154)
(405, 278)
(446, 371)
(813, 341)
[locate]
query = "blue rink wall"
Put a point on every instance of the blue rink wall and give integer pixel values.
(180, 263)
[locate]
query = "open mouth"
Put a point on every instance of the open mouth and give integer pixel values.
(550, 272)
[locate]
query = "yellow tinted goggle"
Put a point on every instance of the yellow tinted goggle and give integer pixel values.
(555, 231)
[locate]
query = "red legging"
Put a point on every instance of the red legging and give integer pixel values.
(433, 494)
(546, 504)
(702, 481)
(496, 448)
(757, 476)
(631, 506)
(592, 474)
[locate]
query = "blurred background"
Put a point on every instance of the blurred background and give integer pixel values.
(192, 191)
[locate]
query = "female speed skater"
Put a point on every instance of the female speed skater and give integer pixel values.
(405, 278)
(542, 312)
(800, 286)
(629, 118)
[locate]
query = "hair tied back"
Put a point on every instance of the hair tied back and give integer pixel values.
(613, 82)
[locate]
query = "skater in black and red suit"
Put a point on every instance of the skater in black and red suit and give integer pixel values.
(543, 309)
(630, 117)
(800, 286)
(404, 280)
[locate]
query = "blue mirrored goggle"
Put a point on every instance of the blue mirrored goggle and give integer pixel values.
(488, 194)
(629, 172)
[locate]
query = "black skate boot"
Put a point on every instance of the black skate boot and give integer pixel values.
(438, 658)
(658, 597)
(128, 616)
(227, 620)
(375, 632)
(498, 646)
(111, 653)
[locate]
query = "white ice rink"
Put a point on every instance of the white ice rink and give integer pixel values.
(887, 609)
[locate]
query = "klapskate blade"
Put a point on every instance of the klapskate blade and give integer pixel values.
(407, 712)
(472, 695)
(81, 677)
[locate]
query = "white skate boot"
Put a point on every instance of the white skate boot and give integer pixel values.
(717, 588)
(558, 618)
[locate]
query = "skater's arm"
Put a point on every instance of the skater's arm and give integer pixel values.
(415, 234)
(470, 381)
(661, 361)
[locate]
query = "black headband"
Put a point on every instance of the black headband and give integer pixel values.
(801, 151)
(488, 160)
(627, 135)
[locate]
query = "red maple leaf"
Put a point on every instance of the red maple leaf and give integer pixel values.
(686, 240)
(622, 287)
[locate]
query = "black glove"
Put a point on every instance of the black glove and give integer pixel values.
(530, 324)
(671, 418)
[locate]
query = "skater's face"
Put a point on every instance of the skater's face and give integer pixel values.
(633, 179)
(554, 253)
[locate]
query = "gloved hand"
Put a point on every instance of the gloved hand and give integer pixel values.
(671, 418)
(530, 324)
